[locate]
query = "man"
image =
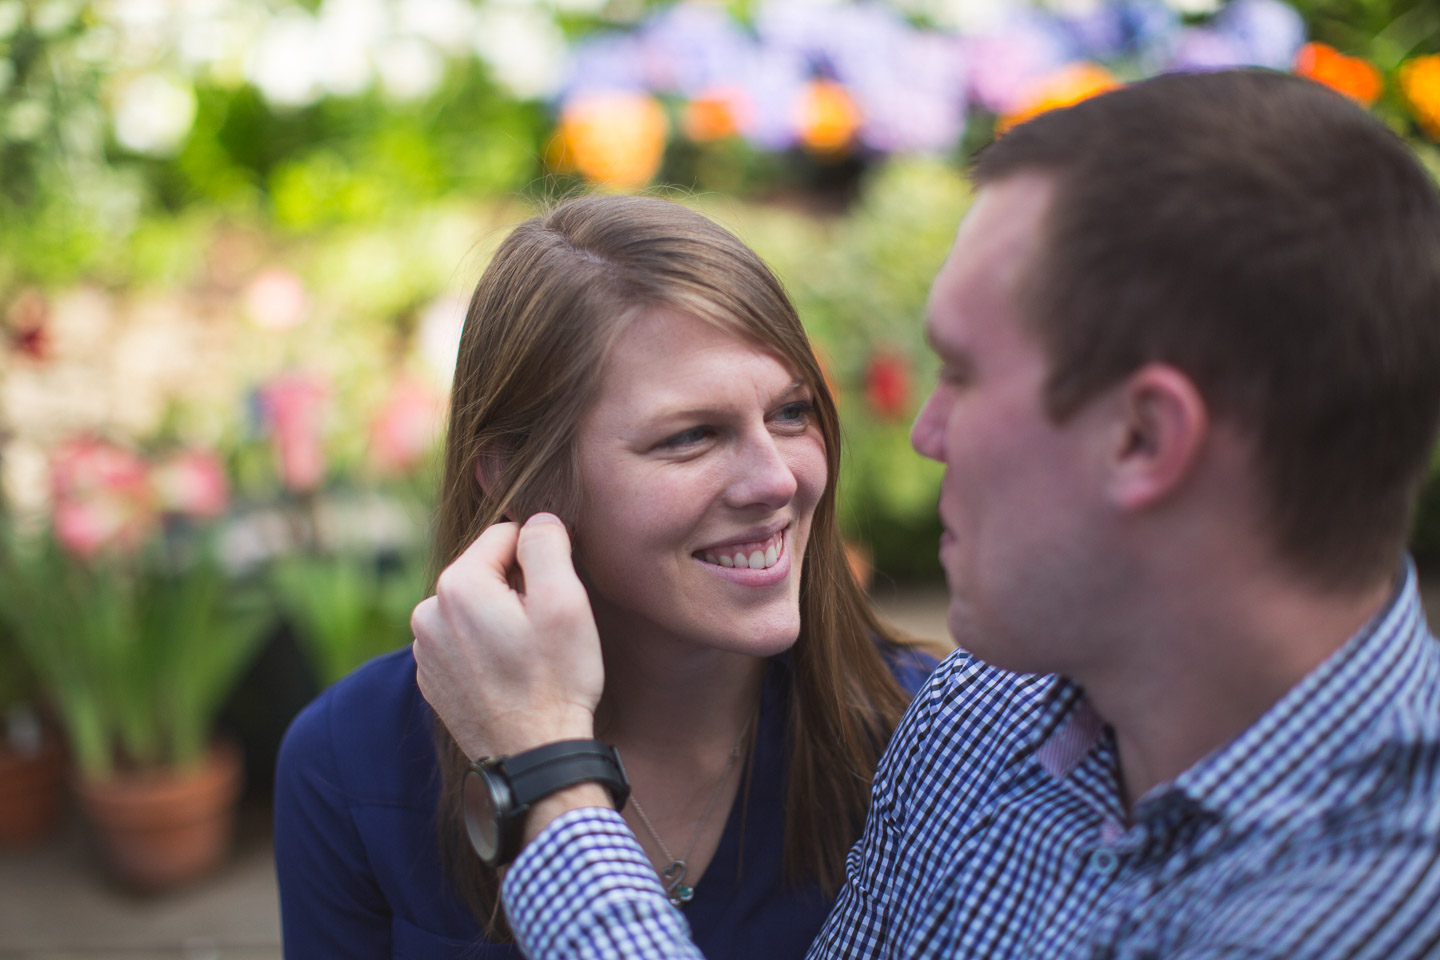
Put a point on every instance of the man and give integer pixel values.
(1190, 346)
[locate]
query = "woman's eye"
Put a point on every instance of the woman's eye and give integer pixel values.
(687, 438)
(794, 413)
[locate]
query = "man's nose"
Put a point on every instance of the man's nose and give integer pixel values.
(927, 436)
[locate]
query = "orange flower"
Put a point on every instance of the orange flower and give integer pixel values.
(617, 139)
(827, 117)
(1068, 85)
(1353, 77)
(1420, 82)
(716, 114)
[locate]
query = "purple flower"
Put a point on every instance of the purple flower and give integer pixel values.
(1269, 32)
(1130, 28)
(1206, 48)
(1003, 63)
(1264, 33)
(918, 104)
(774, 84)
(604, 62)
(690, 48)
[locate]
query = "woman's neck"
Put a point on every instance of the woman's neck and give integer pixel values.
(667, 695)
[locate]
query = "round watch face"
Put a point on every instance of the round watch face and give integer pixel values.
(481, 819)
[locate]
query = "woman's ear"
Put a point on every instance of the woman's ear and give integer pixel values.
(489, 466)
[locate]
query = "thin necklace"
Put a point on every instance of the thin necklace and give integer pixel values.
(673, 876)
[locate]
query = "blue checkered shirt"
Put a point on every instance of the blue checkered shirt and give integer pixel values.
(997, 830)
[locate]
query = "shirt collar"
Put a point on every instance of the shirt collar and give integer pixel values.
(1378, 689)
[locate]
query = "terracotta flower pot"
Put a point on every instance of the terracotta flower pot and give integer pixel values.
(32, 793)
(160, 828)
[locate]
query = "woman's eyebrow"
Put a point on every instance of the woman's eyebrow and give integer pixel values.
(703, 411)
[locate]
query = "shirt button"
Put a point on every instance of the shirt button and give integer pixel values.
(1104, 862)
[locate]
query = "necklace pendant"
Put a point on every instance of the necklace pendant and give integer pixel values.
(673, 876)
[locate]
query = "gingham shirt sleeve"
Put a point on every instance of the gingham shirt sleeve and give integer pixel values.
(585, 889)
(858, 925)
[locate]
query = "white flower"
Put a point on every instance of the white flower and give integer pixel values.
(137, 14)
(445, 23)
(581, 6)
(438, 336)
(1193, 7)
(410, 68)
(284, 62)
(53, 17)
(25, 119)
(353, 30)
(965, 16)
(12, 14)
(1075, 8)
(523, 47)
(153, 114)
(207, 32)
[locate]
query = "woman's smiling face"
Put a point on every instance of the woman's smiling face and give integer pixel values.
(700, 468)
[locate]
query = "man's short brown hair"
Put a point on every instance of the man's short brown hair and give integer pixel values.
(1282, 248)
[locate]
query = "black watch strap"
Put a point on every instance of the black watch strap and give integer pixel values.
(535, 774)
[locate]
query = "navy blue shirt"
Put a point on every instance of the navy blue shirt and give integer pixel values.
(356, 846)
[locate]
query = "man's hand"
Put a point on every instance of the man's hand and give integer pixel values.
(507, 670)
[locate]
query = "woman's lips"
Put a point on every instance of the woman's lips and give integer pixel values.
(772, 554)
(752, 554)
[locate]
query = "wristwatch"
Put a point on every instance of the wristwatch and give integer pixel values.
(499, 791)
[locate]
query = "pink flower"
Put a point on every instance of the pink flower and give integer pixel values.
(191, 482)
(406, 427)
(294, 406)
(102, 495)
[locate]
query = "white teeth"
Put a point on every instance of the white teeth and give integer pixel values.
(756, 559)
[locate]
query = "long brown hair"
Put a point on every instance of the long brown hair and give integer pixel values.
(556, 293)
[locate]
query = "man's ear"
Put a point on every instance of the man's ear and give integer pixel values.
(1163, 426)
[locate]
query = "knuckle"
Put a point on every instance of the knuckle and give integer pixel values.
(422, 619)
(445, 586)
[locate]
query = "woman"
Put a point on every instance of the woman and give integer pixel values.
(635, 369)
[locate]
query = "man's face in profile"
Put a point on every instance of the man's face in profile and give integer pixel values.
(1017, 494)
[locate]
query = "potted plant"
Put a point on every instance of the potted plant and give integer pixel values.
(32, 755)
(137, 635)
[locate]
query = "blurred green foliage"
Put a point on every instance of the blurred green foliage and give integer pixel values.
(347, 608)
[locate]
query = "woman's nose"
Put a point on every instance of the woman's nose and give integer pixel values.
(762, 475)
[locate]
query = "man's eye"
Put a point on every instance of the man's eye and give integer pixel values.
(797, 412)
(687, 438)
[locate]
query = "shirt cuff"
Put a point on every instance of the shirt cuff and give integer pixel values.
(584, 888)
